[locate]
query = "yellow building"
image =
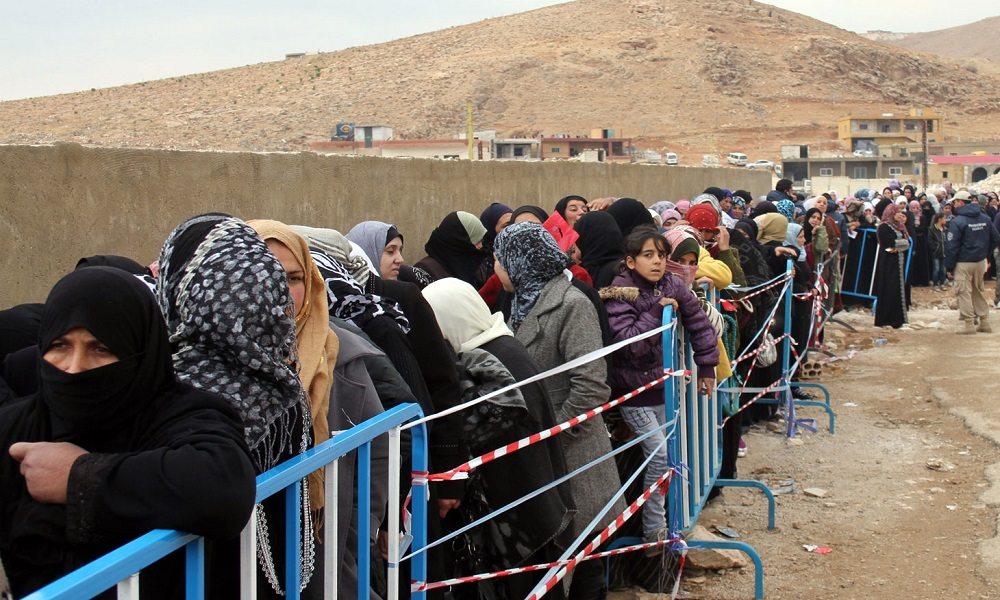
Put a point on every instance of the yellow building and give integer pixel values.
(859, 132)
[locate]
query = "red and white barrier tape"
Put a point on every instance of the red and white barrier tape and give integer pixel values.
(759, 349)
(766, 390)
(764, 289)
(461, 471)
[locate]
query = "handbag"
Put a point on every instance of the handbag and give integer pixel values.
(768, 357)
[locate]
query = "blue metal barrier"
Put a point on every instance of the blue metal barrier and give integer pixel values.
(697, 450)
(852, 283)
(122, 565)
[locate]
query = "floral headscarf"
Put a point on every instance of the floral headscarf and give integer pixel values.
(531, 258)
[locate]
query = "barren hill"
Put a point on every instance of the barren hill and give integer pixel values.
(690, 75)
(975, 40)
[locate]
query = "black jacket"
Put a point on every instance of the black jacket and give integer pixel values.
(971, 237)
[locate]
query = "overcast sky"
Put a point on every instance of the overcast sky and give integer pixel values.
(56, 46)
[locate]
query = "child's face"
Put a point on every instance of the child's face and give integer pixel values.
(947, 209)
(737, 211)
(649, 262)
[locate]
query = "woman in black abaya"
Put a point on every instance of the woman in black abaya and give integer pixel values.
(142, 450)
(890, 275)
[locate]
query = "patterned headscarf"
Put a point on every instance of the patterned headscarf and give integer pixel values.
(336, 245)
(347, 300)
(531, 258)
(229, 316)
(889, 217)
(787, 209)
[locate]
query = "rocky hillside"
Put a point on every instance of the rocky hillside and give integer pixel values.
(687, 75)
(975, 40)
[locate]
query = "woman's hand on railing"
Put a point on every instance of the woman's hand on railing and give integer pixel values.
(446, 504)
(706, 385)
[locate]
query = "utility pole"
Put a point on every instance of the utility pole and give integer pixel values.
(468, 125)
(923, 168)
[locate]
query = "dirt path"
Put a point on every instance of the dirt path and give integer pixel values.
(898, 528)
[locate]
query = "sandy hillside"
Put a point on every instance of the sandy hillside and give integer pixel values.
(686, 75)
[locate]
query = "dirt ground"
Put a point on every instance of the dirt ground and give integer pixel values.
(911, 503)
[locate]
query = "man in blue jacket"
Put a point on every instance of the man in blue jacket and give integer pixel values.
(971, 236)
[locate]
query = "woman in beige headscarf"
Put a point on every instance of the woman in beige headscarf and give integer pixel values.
(317, 343)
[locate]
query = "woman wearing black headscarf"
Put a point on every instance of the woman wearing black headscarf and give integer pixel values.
(140, 449)
(455, 249)
(601, 246)
(629, 213)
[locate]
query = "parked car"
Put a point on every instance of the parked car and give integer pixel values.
(709, 160)
(670, 158)
(737, 158)
(761, 164)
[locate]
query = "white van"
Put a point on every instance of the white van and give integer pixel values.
(670, 158)
(737, 158)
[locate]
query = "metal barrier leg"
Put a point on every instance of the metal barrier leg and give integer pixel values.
(623, 542)
(744, 548)
(825, 404)
(194, 579)
(753, 483)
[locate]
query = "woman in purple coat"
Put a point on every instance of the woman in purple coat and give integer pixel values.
(635, 302)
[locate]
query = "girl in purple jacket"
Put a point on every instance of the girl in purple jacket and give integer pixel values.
(635, 302)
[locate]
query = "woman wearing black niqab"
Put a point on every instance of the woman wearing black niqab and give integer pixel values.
(629, 213)
(601, 246)
(145, 450)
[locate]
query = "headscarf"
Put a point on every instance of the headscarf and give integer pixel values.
(916, 211)
(772, 227)
(601, 245)
(629, 213)
(317, 343)
(94, 407)
(110, 260)
(787, 209)
(748, 226)
(683, 205)
(228, 308)
(538, 211)
(881, 206)
(564, 202)
(709, 198)
(682, 243)
(531, 258)
(490, 217)
(333, 243)
(764, 207)
(347, 299)
(228, 311)
(668, 214)
(19, 327)
(452, 246)
(807, 227)
(373, 237)
(462, 313)
(663, 205)
(792, 240)
(889, 217)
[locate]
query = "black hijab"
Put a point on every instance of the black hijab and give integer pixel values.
(564, 202)
(629, 213)
(764, 207)
(93, 408)
(528, 208)
(451, 247)
(489, 218)
(110, 260)
(19, 327)
(601, 246)
(807, 228)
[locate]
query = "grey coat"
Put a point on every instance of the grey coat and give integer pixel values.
(560, 327)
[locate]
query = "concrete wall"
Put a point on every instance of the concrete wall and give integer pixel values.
(59, 203)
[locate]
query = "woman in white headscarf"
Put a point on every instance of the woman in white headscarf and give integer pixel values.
(491, 358)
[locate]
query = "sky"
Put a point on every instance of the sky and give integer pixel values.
(58, 46)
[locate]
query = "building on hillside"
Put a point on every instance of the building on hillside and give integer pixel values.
(349, 132)
(916, 150)
(607, 147)
(963, 169)
(859, 132)
(516, 149)
(852, 167)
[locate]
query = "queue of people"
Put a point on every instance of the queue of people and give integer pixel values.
(138, 397)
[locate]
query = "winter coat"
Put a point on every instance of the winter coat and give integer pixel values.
(560, 327)
(971, 237)
(633, 305)
(936, 241)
